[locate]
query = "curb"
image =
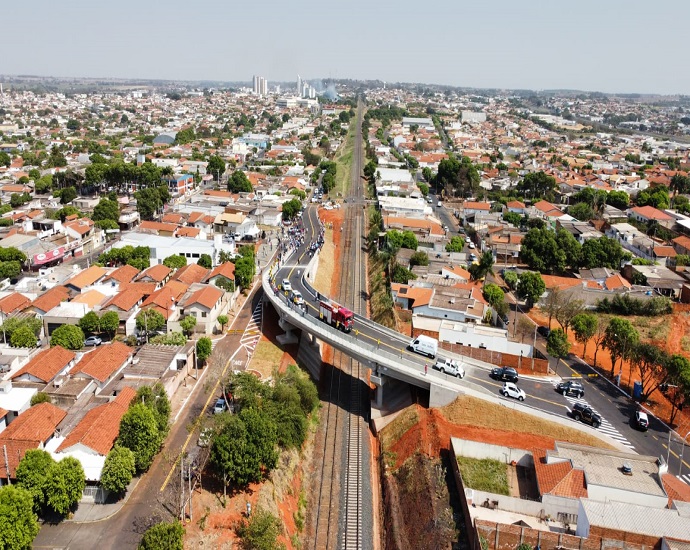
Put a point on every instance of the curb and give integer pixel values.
(121, 503)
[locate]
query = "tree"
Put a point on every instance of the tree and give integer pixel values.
(651, 364)
(68, 195)
(19, 525)
(150, 200)
(118, 470)
(203, 348)
(291, 208)
(139, 433)
(216, 166)
(106, 210)
(585, 327)
(572, 248)
(244, 271)
(64, 485)
(480, 270)
(32, 473)
(187, 324)
(557, 345)
(40, 397)
(156, 399)
(566, 313)
(67, 336)
(109, 323)
(163, 536)
(618, 199)
(538, 184)
(601, 252)
(678, 368)
(5, 159)
(530, 286)
(260, 532)
(150, 320)
(175, 261)
(511, 279)
(541, 252)
(493, 294)
(222, 321)
(205, 261)
(419, 258)
(456, 244)
(599, 336)
(239, 183)
(621, 338)
(90, 323)
(581, 211)
(23, 337)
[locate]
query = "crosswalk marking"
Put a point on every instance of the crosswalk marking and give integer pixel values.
(685, 478)
(606, 427)
(252, 333)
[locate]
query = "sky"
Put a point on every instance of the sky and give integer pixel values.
(604, 45)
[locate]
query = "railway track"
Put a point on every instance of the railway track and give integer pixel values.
(338, 521)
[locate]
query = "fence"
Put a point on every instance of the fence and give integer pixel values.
(97, 495)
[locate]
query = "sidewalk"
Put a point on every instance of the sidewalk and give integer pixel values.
(92, 512)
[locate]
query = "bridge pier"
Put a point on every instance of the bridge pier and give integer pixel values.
(289, 336)
(378, 380)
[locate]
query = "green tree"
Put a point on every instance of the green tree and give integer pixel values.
(40, 397)
(106, 210)
(175, 261)
(244, 271)
(239, 183)
(557, 345)
(419, 258)
(620, 340)
(23, 337)
(581, 211)
(19, 525)
(530, 286)
(540, 251)
(260, 532)
(32, 473)
(678, 369)
(67, 336)
(118, 470)
(538, 185)
(150, 320)
(163, 536)
(90, 323)
(205, 261)
(5, 159)
(68, 195)
(187, 324)
(459, 177)
(291, 208)
(222, 321)
(65, 482)
(585, 327)
(151, 200)
(156, 399)
(216, 166)
(109, 323)
(139, 433)
(493, 294)
(618, 199)
(651, 362)
(203, 348)
(511, 279)
(480, 270)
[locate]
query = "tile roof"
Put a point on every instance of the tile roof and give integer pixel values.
(208, 297)
(549, 209)
(664, 251)
(36, 424)
(81, 226)
(433, 227)
(104, 361)
(191, 232)
(162, 300)
(675, 488)
(87, 277)
(100, 427)
(51, 298)
(515, 204)
(554, 281)
(156, 227)
(46, 364)
(91, 298)
(683, 242)
(124, 274)
(651, 213)
(474, 205)
(191, 273)
(14, 302)
(156, 273)
(226, 269)
(125, 299)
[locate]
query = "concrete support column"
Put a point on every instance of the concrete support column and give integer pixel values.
(378, 380)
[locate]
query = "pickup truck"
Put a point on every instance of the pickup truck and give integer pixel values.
(583, 413)
(449, 366)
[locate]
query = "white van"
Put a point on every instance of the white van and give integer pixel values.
(424, 345)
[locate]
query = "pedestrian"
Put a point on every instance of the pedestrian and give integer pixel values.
(426, 369)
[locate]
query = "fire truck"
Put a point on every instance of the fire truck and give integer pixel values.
(336, 315)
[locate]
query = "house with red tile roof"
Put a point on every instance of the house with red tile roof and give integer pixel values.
(13, 302)
(645, 214)
(96, 432)
(123, 274)
(157, 228)
(165, 299)
(191, 273)
(226, 270)
(547, 211)
(682, 244)
(103, 364)
(86, 278)
(205, 303)
(32, 429)
(159, 274)
(49, 299)
(46, 365)
(408, 296)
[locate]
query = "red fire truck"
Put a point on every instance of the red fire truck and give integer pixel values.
(336, 315)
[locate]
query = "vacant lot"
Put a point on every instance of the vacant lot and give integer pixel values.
(484, 475)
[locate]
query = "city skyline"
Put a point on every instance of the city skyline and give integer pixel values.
(608, 47)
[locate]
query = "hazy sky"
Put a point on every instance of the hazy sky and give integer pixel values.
(603, 45)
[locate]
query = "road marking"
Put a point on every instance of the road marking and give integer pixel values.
(530, 397)
(685, 478)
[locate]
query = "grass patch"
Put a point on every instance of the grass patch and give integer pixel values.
(484, 475)
(652, 328)
(391, 433)
(267, 356)
(380, 302)
(685, 343)
(343, 158)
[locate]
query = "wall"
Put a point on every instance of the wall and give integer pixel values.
(553, 505)
(604, 493)
(509, 504)
(476, 449)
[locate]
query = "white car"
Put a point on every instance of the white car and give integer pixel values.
(470, 245)
(286, 285)
(296, 297)
(511, 390)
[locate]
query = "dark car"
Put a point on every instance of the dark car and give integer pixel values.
(571, 387)
(641, 421)
(585, 413)
(544, 331)
(504, 374)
